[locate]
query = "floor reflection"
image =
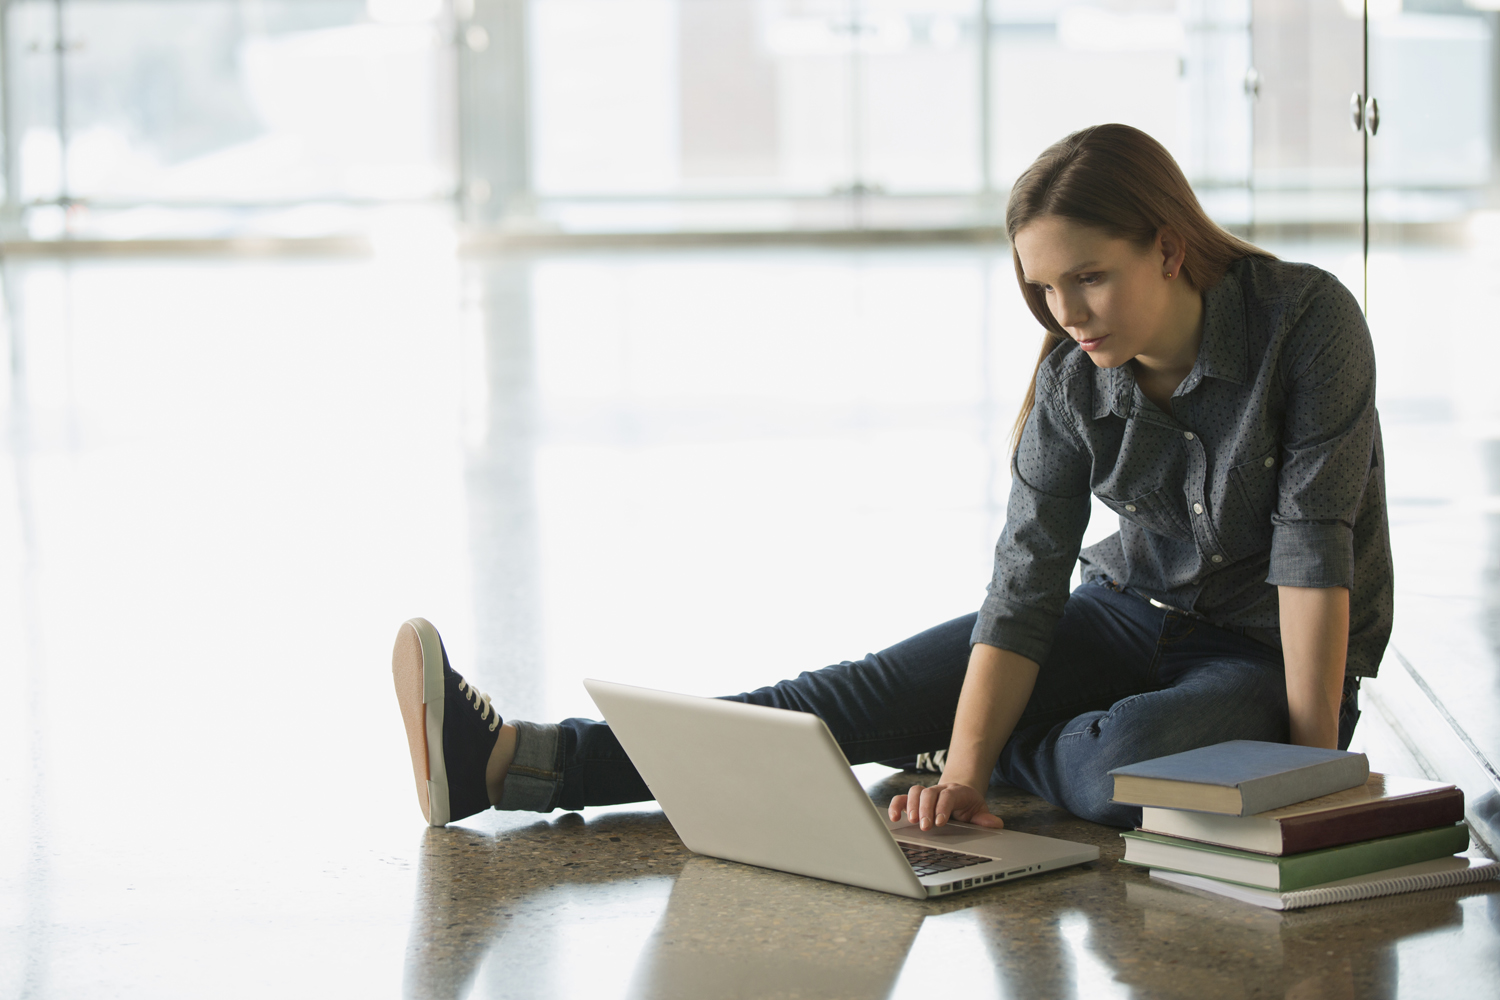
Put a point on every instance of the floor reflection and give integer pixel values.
(614, 906)
(494, 909)
(610, 905)
(733, 931)
(1350, 949)
(226, 482)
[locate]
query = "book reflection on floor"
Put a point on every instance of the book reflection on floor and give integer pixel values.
(1293, 945)
(1297, 942)
(1171, 909)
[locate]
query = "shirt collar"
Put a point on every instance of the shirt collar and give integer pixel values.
(1224, 353)
(1114, 391)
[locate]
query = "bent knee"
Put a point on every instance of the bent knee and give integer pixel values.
(1248, 703)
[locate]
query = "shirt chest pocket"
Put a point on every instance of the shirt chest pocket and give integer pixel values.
(1251, 499)
(1159, 511)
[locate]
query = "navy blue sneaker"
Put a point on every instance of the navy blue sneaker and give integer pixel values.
(450, 727)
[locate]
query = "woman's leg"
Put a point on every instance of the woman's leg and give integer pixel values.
(1200, 685)
(1124, 682)
(892, 704)
(898, 702)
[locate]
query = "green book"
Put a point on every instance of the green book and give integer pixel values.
(1293, 871)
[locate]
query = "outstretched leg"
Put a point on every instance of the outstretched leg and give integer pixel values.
(898, 702)
(1125, 682)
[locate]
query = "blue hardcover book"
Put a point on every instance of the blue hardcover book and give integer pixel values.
(1239, 777)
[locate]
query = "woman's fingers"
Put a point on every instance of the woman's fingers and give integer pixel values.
(907, 806)
(929, 806)
(898, 806)
(928, 797)
(953, 802)
(945, 805)
(969, 806)
(914, 804)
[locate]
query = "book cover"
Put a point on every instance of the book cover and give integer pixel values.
(1239, 777)
(1293, 871)
(1436, 874)
(1382, 807)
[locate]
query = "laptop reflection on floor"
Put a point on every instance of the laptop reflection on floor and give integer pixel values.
(770, 787)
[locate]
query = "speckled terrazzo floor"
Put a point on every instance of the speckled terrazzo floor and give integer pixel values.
(515, 908)
(212, 522)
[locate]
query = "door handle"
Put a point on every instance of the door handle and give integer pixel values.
(1372, 115)
(1357, 111)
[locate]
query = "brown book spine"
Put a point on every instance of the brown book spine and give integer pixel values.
(1374, 819)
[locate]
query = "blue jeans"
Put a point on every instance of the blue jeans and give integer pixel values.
(1125, 681)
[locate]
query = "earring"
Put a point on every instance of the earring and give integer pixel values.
(1170, 275)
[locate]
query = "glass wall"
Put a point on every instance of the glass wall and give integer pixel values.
(1432, 78)
(135, 118)
(666, 114)
(213, 117)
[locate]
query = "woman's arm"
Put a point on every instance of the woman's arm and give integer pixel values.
(997, 686)
(998, 683)
(1314, 644)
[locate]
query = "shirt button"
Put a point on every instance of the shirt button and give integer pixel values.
(1270, 462)
(1130, 507)
(1197, 508)
(1188, 435)
(1217, 558)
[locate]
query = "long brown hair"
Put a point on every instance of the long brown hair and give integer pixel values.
(1121, 181)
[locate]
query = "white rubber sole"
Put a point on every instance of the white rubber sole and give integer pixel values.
(417, 669)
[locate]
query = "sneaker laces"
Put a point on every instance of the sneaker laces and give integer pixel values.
(934, 762)
(480, 701)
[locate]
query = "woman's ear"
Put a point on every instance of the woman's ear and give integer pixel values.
(1172, 250)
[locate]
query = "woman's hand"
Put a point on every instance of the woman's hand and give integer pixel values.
(996, 688)
(934, 805)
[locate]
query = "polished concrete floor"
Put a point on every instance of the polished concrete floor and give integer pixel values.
(226, 483)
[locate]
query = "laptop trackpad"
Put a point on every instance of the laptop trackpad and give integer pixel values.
(952, 838)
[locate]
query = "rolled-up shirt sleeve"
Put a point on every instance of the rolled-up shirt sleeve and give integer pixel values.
(1044, 524)
(1328, 438)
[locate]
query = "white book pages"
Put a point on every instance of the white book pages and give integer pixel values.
(1407, 878)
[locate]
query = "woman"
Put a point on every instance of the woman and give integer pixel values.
(1222, 402)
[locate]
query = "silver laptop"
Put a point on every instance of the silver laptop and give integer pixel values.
(769, 787)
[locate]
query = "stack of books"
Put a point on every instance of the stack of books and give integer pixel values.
(1287, 827)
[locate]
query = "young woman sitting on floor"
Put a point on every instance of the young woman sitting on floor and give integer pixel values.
(1221, 401)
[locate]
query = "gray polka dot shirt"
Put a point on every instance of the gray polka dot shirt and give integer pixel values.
(1268, 471)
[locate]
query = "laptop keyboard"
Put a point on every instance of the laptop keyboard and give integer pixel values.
(931, 861)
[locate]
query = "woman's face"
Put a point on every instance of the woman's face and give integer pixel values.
(1112, 297)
